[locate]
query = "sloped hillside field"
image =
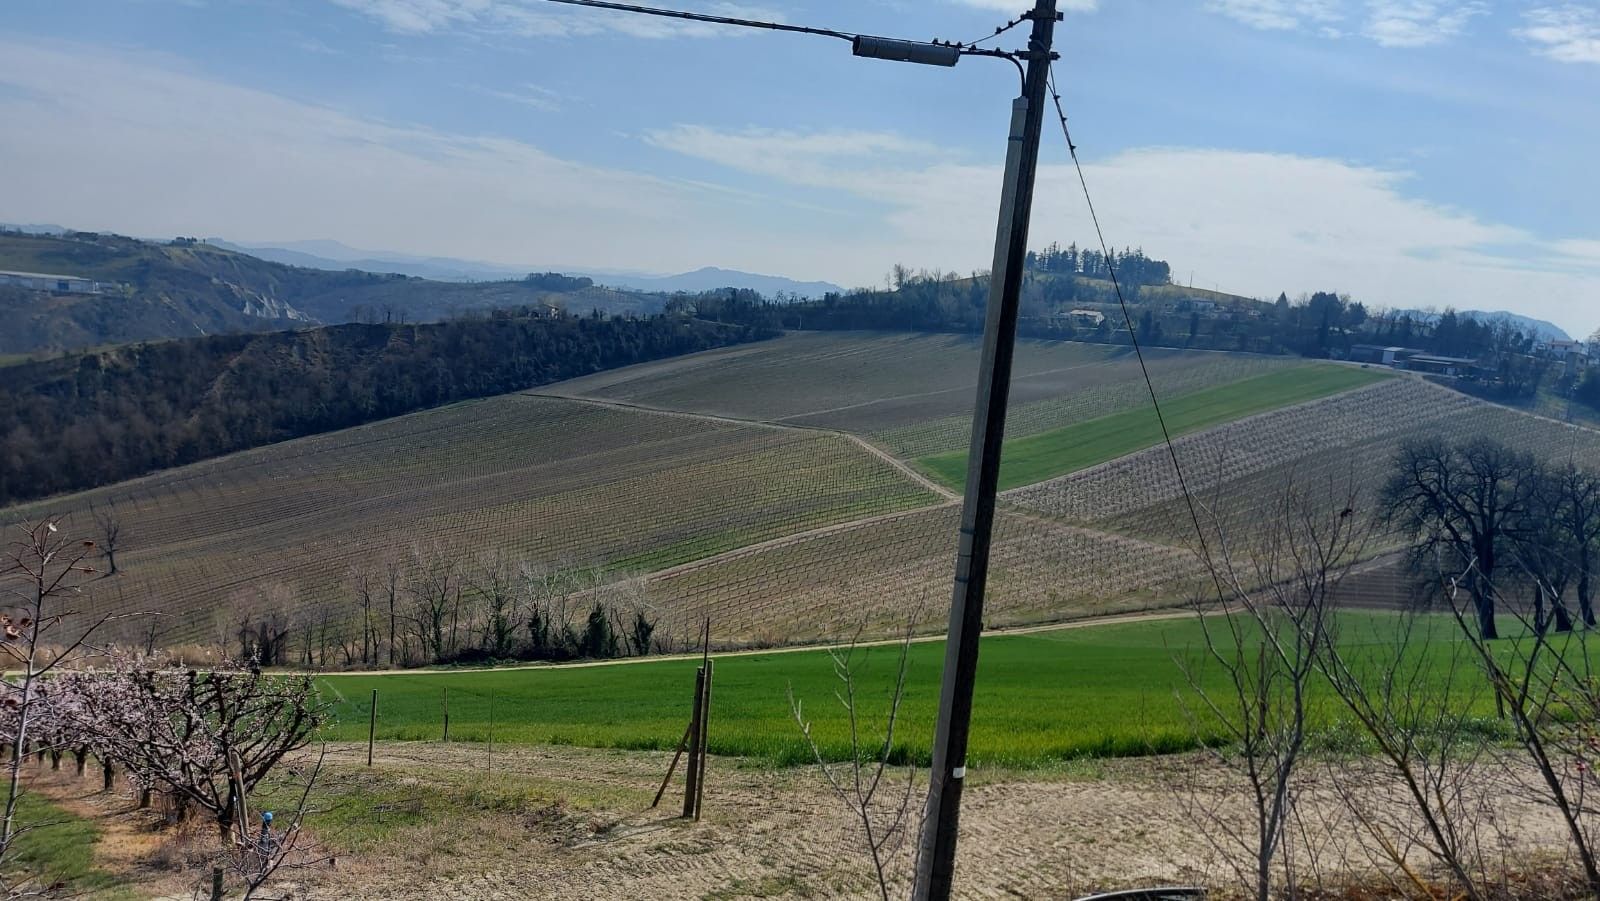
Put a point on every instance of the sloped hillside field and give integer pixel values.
(781, 489)
(550, 482)
(1240, 471)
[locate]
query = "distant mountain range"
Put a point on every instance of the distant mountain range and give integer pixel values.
(1538, 327)
(324, 254)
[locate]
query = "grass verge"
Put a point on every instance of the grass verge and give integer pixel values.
(57, 848)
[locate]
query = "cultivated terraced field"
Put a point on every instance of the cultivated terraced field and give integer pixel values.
(823, 586)
(1238, 472)
(548, 481)
(779, 487)
(914, 392)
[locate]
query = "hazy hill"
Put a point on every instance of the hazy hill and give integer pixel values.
(336, 256)
(1527, 324)
(186, 288)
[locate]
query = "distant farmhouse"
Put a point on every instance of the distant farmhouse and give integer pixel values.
(1087, 318)
(1385, 356)
(41, 281)
(1441, 365)
(1561, 349)
(1413, 359)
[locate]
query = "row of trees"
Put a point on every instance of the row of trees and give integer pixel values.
(433, 606)
(202, 741)
(81, 421)
(1507, 522)
(1132, 266)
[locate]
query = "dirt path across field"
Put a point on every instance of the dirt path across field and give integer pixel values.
(1089, 623)
(899, 465)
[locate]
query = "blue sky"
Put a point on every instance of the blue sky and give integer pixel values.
(1410, 152)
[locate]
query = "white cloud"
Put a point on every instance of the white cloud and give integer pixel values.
(1256, 223)
(1280, 15)
(1389, 23)
(1570, 33)
(102, 140)
(531, 18)
(1418, 23)
(530, 95)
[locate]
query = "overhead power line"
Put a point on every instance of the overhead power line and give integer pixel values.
(704, 17)
(935, 52)
(1127, 318)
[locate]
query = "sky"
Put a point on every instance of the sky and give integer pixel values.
(1411, 153)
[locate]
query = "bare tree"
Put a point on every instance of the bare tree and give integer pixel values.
(434, 583)
(1274, 618)
(1466, 501)
(858, 781)
(494, 583)
(1576, 492)
(110, 528)
(262, 622)
(1414, 697)
(254, 860)
(1552, 698)
(41, 567)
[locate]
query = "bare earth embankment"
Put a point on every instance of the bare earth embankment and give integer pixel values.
(430, 821)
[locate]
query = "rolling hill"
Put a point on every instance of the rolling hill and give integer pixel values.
(758, 485)
(187, 288)
(338, 257)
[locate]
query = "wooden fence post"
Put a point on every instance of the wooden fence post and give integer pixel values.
(705, 737)
(692, 774)
(447, 714)
(673, 767)
(491, 733)
(372, 725)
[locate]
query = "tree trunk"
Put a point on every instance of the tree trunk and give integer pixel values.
(1585, 596)
(1563, 616)
(81, 756)
(1486, 625)
(107, 775)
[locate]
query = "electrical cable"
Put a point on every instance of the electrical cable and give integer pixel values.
(704, 17)
(963, 49)
(998, 31)
(1127, 318)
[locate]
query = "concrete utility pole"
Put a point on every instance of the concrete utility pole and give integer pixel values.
(937, 852)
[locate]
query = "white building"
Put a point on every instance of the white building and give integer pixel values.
(1087, 318)
(41, 281)
(1561, 349)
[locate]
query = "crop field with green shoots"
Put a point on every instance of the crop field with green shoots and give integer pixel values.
(1110, 690)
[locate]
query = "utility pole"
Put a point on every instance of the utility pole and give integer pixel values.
(937, 851)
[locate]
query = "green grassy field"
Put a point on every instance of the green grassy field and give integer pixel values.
(58, 847)
(1061, 451)
(1113, 690)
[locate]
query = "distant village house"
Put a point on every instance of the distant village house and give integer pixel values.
(1087, 318)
